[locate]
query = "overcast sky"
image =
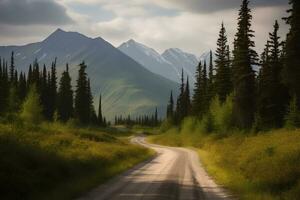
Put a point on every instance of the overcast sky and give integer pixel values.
(191, 25)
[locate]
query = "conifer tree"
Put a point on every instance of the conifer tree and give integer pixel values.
(211, 78)
(22, 87)
(197, 100)
(205, 95)
(65, 97)
(291, 71)
(244, 57)
(272, 93)
(82, 101)
(170, 108)
(100, 117)
(155, 117)
(12, 69)
(223, 73)
(187, 99)
(52, 92)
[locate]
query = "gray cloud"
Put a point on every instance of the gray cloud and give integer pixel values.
(28, 12)
(208, 6)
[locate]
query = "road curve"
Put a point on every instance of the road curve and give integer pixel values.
(174, 173)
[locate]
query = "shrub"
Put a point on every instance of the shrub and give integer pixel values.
(31, 110)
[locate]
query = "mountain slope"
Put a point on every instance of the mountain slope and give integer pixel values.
(169, 64)
(126, 86)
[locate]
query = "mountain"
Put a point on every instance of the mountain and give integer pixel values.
(169, 64)
(182, 60)
(126, 86)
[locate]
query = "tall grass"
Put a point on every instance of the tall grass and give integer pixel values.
(54, 161)
(263, 165)
(255, 166)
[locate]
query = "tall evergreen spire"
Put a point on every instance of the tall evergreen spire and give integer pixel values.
(223, 72)
(100, 117)
(291, 71)
(244, 57)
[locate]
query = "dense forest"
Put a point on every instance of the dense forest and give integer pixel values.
(257, 100)
(35, 97)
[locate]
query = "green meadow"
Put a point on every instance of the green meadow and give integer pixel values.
(55, 161)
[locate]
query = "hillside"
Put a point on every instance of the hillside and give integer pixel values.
(126, 86)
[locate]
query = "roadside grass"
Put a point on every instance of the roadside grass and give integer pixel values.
(263, 166)
(55, 161)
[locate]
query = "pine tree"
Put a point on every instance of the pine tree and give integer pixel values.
(211, 77)
(156, 117)
(100, 117)
(12, 69)
(223, 72)
(291, 71)
(205, 95)
(243, 74)
(170, 108)
(197, 101)
(22, 87)
(180, 107)
(187, 99)
(272, 93)
(82, 102)
(52, 92)
(65, 97)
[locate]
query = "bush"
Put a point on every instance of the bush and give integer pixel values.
(32, 110)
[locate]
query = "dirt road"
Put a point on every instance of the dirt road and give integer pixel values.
(175, 173)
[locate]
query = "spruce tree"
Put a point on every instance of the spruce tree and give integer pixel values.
(170, 108)
(291, 71)
(197, 100)
(100, 117)
(53, 92)
(65, 97)
(82, 102)
(187, 98)
(12, 69)
(244, 57)
(205, 94)
(211, 78)
(223, 72)
(22, 87)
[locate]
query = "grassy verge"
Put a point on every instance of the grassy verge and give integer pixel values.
(59, 162)
(265, 166)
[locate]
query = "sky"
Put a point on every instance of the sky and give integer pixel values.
(191, 25)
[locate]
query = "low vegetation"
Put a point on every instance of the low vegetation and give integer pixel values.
(54, 161)
(253, 166)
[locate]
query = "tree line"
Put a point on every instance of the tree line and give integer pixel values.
(264, 100)
(142, 120)
(39, 91)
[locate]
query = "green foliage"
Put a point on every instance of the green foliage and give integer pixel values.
(291, 71)
(292, 119)
(223, 75)
(222, 114)
(65, 97)
(31, 112)
(263, 166)
(244, 57)
(54, 161)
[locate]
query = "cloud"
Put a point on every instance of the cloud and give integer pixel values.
(33, 12)
(209, 6)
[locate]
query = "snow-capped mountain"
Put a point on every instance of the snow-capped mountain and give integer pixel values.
(169, 64)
